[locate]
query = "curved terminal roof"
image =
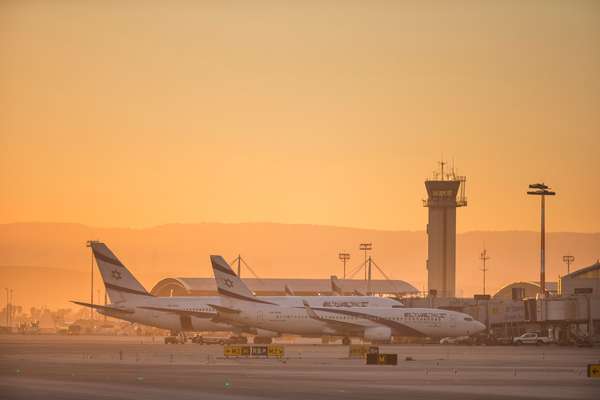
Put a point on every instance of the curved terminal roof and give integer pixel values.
(530, 289)
(276, 286)
(593, 271)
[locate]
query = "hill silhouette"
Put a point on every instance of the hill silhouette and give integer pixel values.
(48, 263)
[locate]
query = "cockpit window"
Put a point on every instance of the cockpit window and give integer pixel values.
(468, 319)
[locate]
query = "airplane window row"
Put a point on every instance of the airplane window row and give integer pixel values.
(198, 309)
(338, 317)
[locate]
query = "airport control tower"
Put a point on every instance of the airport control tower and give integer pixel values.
(445, 191)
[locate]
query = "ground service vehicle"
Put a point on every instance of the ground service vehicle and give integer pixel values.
(531, 338)
(220, 340)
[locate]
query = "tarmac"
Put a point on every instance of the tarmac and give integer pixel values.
(106, 367)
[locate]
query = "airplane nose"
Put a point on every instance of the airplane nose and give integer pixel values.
(479, 327)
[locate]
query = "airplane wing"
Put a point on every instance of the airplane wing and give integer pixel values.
(341, 326)
(198, 314)
(104, 308)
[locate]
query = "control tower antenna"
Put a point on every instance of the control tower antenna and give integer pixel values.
(442, 163)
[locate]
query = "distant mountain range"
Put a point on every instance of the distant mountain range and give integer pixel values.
(48, 263)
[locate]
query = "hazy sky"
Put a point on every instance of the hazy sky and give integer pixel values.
(136, 113)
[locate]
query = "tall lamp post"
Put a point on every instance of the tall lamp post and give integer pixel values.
(90, 244)
(568, 260)
(542, 190)
(484, 257)
(7, 307)
(344, 257)
(366, 247)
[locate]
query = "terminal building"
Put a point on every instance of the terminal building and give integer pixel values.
(583, 281)
(277, 287)
(572, 309)
(522, 290)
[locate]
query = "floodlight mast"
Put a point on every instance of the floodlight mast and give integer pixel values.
(542, 191)
(484, 257)
(366, 247)
(344, 257)
(89, 244)
(568, 259)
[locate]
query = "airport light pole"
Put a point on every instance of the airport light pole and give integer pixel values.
(568, 259)
(369, 279)
(6, 310)
(542, 190)
(484, 257)
(344, 257)
(89, 244)
(12, 303)
(366, 247)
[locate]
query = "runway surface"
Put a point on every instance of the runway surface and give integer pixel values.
(55, 367)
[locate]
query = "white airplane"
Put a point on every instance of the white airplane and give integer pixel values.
(376, 324)
(131, 302)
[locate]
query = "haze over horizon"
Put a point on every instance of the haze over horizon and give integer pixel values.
(49, 263)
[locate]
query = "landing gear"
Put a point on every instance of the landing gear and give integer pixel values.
(346, 341)
(262, 340)
(176, 338)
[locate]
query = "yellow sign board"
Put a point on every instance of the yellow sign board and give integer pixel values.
(593, 371)
(275, 351)
(232, 351)
(358, 350)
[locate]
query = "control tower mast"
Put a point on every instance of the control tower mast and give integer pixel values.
(445, 192)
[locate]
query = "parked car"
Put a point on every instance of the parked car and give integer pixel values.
(532, 338)
(456, 340)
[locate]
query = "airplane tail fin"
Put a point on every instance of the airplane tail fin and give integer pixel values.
(288, 291)
(336, 289)
(228, 283)
(121, 285)
(230, 287)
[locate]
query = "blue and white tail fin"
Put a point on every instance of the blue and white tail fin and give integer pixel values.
(121, 285)
(336, 289)
(230, 287)
(288, 291)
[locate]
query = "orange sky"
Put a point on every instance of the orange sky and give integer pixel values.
(137, 113)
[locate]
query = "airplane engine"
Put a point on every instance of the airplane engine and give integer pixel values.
(265, 333)
(378, 334)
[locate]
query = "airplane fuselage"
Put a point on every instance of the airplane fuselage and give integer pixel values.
(144, 310)
(359, 322)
